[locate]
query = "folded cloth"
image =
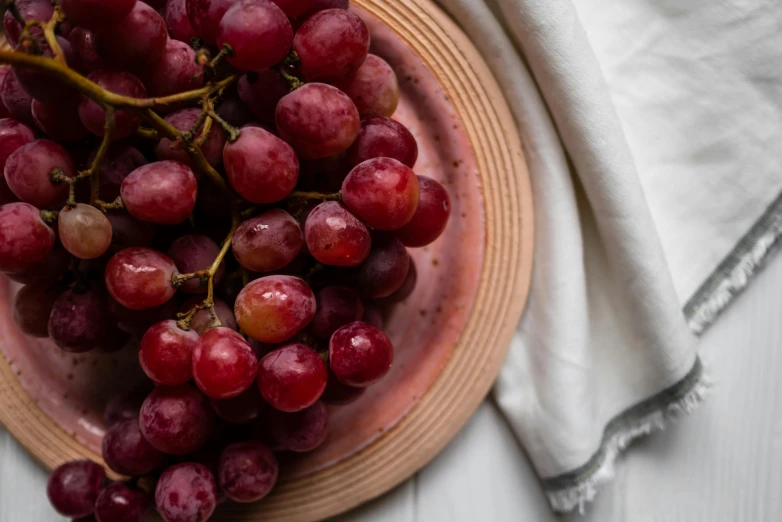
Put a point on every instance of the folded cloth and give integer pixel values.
(652, 130)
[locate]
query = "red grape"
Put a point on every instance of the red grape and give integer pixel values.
(360, 354)
(267, 242)
(303, 430)
(192, 253)
(261, 91)
(260, 166)
(94, 14)
(16, 100)
(121, 160)
(27, 172)
(166, 353)
(176, 71)
(32, 307)
(205, 16)
(382, 137)
(179, 26)
(121, 503)
(331, 44)
(24, 238)
(258, 32)
(127, 231)
(304, 8)
(29, 10)
(85, 231)
(338, 393)
(125, 121)
(137, 322)
(318, 120)
(59, 120)
(186, 493)
(83, 43)
(292, 377)
(224, 365)
(79, 322)
(234, 112)
(13, 134)
(183, 120)
(385, 269)
(247, 471)
(407, 287)
(41, 85)
(241, 409)
(125, 406)
(140, 278)
(4, 71)
(176, 419)
(202, 320)
(373, 315)
(74, 486)
(274, 308)
(431, 216)
(126, 451)
(335, 236)
(373, 88)
(46, 271)
(137, 39)
(337, 306)
(383, 192)
(163, 192)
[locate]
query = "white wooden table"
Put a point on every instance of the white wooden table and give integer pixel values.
(723, 464)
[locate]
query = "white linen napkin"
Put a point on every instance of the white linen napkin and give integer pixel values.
(652, 129)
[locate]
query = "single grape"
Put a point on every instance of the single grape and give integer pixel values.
(224, 365)
(331, 44)
(202, 320)
(176, 71)
(292, 377)
(13, 134)
(382, 137)
(60, 121)
(274, 308)
(121, 503)
(29, 10)
(247, 471)
(4, 71)
(24, 238)
(79, 322)
(136, 40)
(73, 487)
(176, 419)
(318, 120)
(125, 121)
(94, 14)
(163, 192)
(27, 172)
(42, 86)
(184, 120)
(140, 278)
(192, 253)
(385, 269)
(121, 159)
(205, 16)
(406, 289)
(360, 354)
(32, 307)
(373, 315)
(258, 32)
(339, 394)
(125, 406)
(337, 306)
(186, 493)
(373, 88)
(261, 167)
(16, 100)
(85, 231)
(126, 451)
(83, 43)
(241, 409)
(234, 112)
(335, 236)
(431, 216)
(179, 26)
(261, 91)
(267, 242)
(383, 192)
(46, 271)
(166, 353)
(303, 430)
(304, 8)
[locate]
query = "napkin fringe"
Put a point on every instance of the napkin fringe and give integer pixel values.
(578, 495)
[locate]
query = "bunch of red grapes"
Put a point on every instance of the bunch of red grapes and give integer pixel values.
(250, 234)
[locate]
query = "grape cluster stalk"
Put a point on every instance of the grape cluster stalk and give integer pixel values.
(222, 183)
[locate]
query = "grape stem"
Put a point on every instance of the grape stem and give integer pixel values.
(94, 170)
(49, 216)
(150, 134)
(296, 194)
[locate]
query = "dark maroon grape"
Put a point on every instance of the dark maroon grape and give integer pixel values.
(247, 471)
(385, 269)
(46, 271)
(192, 253)
(241, 409)
(137, 322)
(166, 353)
(303, 430)
(338, 393)
(234, 112)
(258, 32)
(28, 170)
(205, 16)
(120, 503)
(373, 315)
(140, 278)
(292, 377)
(186, 493)
(125, 121)
(4, 112)
(94, 14)
(29, 10)
(79, 322)
(382, 137)
(13, 135)
(42, 86)
(274, 308)
(126, 451)
(120, 161)
(267, 242)
(176, 419)
(60, 121)
(261, 91)
(337, 306)
(431, 216)
(24, 238)
(373, 88)
(163, 192)
(32, 307)
(125, 406)
(179, 26)
(83, 43)
(136, 40)
(16, 100)
(175, 71)
(335, 236)
(304, 8)
(331, 44)
(74, 486)
(183, 120)
(202, 320)
(224, 365)
(360, 354)
(407, 287)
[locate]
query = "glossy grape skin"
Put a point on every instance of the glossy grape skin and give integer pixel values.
(120, 161)
(120, 503)
(13, 134)
(186, 492)
(374, 88)
(385, 269)
(224, 365)
(42, 86)
(83, 43)
(140, 278)
(241, 409)
(360, 354)
(431, 216)
(304, 8)
(74, 486)
(292, 377)
(136, 40)
(125, 450)
(383, 192)
(183, 120)
(268, 241)
(335, 236)
(192, 253)
(202, 320)
(258, 32)
(16, 100)
(337, 306)
(24, 238)
(163, 192)
(60, 121)
(125, 121)
(93, 14)
(176, 71)
(79, 322)
(137, 322)
(261, 167)
(176, 419)
(331, 44)
(84, 230)
(27, 172)
(177, 22)
(382, 137)
(339, 394)
(166, 353)
(318, 120)
(301, 431)
(261, 91)
(205, 17)
(32, 307)
(406, 289)
(125, 406)
(247, 471)
(274, 308)
(29, 10)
